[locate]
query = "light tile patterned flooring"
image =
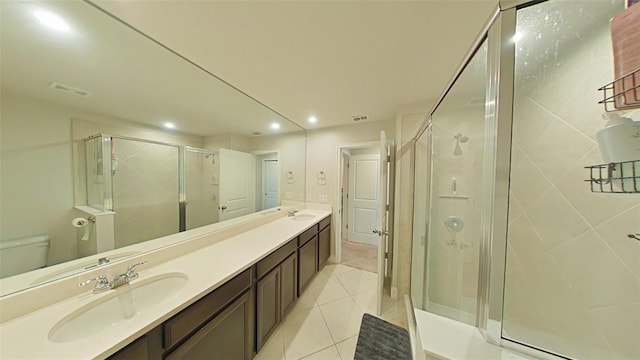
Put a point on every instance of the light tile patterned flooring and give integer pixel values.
(324, 324)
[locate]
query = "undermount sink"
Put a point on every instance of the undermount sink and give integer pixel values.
(118, 306)
(302, 217)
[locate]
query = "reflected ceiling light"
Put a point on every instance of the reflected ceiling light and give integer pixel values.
(275, 126)
(517, 37)
(51, 20)
(312, 119)
(169, 125)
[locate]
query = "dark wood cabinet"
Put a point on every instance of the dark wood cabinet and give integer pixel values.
(227, 336)
(267, 305)
(307, 263)
(276, 292)
(146, 347)
(289, 283)
(324, 246)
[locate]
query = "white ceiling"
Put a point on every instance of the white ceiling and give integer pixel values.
(331, 59)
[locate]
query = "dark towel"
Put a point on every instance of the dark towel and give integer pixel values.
(381, 340)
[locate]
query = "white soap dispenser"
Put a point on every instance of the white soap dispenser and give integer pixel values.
(620, 139)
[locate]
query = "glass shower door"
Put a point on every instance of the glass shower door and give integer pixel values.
(572, 282)
(145, 190)
(450, 254)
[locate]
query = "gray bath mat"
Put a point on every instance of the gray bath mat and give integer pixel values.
(381, 340)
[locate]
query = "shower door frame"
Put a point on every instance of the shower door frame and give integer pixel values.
(105, 140)
(498, 32)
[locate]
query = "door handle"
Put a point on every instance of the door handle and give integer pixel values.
(223, 207)
(380, 232)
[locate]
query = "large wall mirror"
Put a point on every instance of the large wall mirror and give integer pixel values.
(110, 142)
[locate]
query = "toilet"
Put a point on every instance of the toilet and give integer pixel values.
(22, 255)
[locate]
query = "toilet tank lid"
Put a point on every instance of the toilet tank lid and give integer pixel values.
(44, 239)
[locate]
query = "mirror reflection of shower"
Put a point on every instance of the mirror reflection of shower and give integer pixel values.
(459, 139)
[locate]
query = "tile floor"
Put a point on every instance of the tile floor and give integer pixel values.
(324, 324)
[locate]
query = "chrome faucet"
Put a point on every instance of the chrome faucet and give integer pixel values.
(291, 213)
(103, 284)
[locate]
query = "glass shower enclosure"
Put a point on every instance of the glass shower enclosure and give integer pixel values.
(154, 189)
(507, 236)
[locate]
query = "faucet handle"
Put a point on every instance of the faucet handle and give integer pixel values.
(102, 283)
(131, 270)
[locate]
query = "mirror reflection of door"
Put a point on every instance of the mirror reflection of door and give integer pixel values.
(267, 180)
(237, 184)
(270, 173)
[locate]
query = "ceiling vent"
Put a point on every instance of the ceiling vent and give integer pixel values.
(70, 89)
(360, 118)
(256, 133)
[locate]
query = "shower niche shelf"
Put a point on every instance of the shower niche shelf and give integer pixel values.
(622, 93)
(616, 177)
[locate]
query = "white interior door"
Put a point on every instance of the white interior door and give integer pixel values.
(270, 179)
(363, 198)
(383, 213)
(237, 184)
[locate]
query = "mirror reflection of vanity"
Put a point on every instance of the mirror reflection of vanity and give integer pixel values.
(89, 170)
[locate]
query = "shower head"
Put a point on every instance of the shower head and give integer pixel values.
(461, 138)
(213, 158)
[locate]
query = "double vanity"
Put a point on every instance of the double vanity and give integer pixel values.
(220, 293)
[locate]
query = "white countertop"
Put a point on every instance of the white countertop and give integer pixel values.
(26, 337)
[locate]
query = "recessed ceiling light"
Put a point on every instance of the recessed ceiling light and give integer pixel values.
(312, 119)
(51, 20)
(275, 126)
(169, 125)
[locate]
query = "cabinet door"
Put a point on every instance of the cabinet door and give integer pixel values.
(268, 305)
(147, 347)
(324, 246)
(307, 266)
(229, 335)
(289, 283)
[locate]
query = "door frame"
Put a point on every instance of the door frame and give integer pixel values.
(338, 216)
(260, 182)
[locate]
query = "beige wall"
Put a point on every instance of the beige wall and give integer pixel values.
(573, 276)
(36, 175)
(323, 155)
(291, 148)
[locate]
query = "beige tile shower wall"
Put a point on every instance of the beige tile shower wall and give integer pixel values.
(454, 258)
(573, 277)
(145, 191)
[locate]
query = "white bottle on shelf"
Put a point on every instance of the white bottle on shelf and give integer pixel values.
(619, 141)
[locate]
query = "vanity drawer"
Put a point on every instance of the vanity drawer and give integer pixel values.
(325, 222)
(193, 317)
(272, 260)
(308, 235)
